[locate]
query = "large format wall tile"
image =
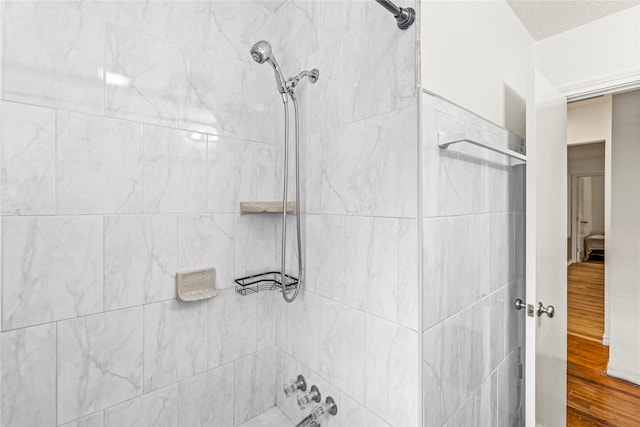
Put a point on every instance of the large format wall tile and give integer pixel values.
(391, 164)
(303, 328)
(408, 267)
(356, 415)
(175, 175)
(455, 266)
(93, 420)
(255, 245)
(371, 265)
(441, 376)
(29, 376)
(471, 244)
(342, 347)
(231, 327)
(206, 241)
(240, 171)
(52, 268)
(207, 399)
(175, 345)
(335, 170)
(389, 53)
(99, 165)
(159, 82)
(254, 390)
(501, 251)
(510, 390)
(28, 159)
(99, 362)
(140, 259)
(358, 168)
(53, 56)
(269, 309)
(390, 371)
(146, 77)
(159, 408)
(324, 253)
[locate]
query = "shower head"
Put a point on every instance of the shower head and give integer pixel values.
(261, 53)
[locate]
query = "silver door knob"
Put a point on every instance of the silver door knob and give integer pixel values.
(519, 304)
(549, 310)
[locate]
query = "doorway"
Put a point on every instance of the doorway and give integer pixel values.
(593, 396)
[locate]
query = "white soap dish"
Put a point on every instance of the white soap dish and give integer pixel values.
(196, 285)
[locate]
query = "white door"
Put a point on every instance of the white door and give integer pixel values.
(546, 337)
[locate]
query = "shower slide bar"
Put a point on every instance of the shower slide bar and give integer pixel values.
(445, 140)
(404, 15)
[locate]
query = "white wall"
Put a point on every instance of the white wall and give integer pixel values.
(479, 56)
(624, 356)
(589, 121)
(592, 55)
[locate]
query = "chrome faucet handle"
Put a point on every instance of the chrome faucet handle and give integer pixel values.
(322, 411)
(306, 399)
(295, 385)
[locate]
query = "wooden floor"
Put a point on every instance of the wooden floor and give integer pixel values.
(593, 398)
(585, 299)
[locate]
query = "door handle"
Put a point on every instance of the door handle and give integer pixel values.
(519, 305)
(549, 310)
(584, 222)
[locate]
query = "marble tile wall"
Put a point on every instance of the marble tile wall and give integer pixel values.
(353, 330)
(473, 270)
(129, 133)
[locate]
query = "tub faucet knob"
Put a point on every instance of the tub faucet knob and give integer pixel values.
(321, 412)
(295, 385)
(306, 399)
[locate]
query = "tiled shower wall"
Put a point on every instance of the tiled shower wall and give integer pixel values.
(473, 270)
(130, 132)
(354, 329)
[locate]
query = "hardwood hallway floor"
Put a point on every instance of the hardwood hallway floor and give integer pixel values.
(593, 398)
(585, 299)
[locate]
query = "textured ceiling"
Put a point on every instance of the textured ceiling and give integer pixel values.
(545, 18)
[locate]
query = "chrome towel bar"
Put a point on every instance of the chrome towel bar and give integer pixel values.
(445, 140)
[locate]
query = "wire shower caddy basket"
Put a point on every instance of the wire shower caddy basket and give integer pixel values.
(267, 281)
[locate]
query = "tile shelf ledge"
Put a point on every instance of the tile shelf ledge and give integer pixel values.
(266, 207)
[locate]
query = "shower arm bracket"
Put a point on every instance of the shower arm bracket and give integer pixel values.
(405, 16)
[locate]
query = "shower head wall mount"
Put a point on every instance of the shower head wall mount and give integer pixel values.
(261, 52)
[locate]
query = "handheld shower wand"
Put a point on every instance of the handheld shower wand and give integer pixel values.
(261, 53)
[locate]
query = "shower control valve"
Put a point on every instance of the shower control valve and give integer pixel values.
(306, 399)
(295, 385)
(322, 411)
